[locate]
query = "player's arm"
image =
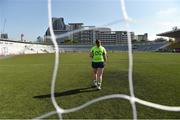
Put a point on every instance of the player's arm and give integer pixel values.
(91, 53)
(105, 55)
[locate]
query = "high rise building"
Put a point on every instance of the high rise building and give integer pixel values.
(59, 28)
(4, 36)
(86, 36)
(75, 26)
(106, 37)
(58, 24)
(76, 37)
(142, 37)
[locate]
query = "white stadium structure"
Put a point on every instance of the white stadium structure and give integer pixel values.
(9, 47)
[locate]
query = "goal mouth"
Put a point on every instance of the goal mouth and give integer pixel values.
(132, 99)
(137, 75)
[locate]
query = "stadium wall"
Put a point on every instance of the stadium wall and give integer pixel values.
(8, 47)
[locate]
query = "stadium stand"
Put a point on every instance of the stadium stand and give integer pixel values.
(173, 47)
(150, 46)
(8, 47)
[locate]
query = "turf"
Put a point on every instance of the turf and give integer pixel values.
(25, 85)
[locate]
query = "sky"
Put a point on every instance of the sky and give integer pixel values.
(30, 17)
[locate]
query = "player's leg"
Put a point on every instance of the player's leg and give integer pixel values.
(95, 76)
(94, 67)
(99, 77)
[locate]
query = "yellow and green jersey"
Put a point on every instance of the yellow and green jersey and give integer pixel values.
(98, 53)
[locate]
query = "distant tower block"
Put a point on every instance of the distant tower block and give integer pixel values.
(4, 36)
(22, 37)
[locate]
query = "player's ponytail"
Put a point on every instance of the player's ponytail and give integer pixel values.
(98, 43)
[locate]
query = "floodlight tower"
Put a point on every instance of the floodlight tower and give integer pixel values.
(3, 29)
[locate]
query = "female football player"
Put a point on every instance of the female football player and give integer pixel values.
(99, 57)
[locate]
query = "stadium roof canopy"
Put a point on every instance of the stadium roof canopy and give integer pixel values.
(174, 33)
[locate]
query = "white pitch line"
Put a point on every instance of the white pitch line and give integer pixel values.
(45, 115)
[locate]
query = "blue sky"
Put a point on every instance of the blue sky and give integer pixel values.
(30, 17)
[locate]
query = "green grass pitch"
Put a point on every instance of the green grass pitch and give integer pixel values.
(25, 85)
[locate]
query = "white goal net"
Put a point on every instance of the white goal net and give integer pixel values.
(132, 98)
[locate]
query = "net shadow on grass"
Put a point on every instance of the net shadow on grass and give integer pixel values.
(69, 92)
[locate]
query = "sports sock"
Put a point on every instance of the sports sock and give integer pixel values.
(95, 82)
(100, 81)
